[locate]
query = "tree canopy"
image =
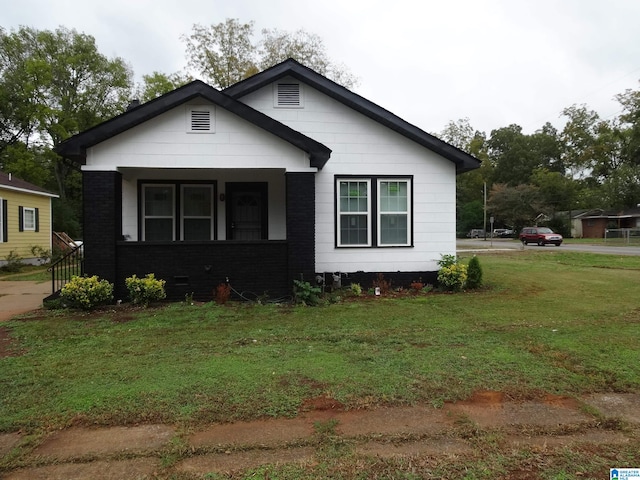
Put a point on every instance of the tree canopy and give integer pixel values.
(226, 53)
(55, 83)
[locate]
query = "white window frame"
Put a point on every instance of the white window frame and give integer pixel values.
(374, 211)
(26, 213)
(339, 213)
(200, 109)
(406, 212)
(211, 216)
(144, 215)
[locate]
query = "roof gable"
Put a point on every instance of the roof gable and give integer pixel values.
(75, 147)
(10, 182)
(463, 161)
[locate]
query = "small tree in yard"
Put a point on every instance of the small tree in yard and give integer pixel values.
(474, 273)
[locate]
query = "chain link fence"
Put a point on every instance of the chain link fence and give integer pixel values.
(622, 236)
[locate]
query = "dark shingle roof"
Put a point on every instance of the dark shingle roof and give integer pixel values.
(11, 182)
(463, 161)
(75, 147)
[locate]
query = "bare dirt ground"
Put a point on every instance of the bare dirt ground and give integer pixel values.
(416, 431)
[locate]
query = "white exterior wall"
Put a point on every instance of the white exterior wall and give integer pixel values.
(361, 146)
(162, 149)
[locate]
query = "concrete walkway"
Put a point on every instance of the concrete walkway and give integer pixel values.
(18, 297)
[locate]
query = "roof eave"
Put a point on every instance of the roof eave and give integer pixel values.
(463, 161)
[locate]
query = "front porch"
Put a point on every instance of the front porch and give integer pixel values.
(197, 267)
(254, 268)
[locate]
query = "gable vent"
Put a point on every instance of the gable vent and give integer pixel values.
(200, 120)
(288, 95)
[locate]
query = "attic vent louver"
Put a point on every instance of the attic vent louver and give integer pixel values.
(288, 95)
(200, 120)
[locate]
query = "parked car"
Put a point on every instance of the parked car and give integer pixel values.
(540, 235)
(502, 232)
(476, 233)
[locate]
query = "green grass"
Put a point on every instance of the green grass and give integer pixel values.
(556, 322)
(27, 273)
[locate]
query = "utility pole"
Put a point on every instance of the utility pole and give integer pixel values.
(484, 225)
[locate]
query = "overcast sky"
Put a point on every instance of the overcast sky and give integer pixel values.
(496, 62)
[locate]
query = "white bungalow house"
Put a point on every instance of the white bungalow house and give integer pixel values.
(285, 175)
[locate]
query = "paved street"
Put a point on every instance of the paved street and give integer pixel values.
(510, 244)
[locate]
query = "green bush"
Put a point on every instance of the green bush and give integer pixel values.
(305, 293)
(355, 289)
(452, 275)
(474, 273)
(13, 263)
(86, 293)
(143, 291)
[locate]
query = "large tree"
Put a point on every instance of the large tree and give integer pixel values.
(64, 83)
(157, 84)
(515, 155)
(226, 53)
(57, 84)
(223, 53)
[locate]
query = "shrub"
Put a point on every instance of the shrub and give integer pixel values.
(145, 290)
(42, 254)
(355, 289)
(474, 273)
(222, 293)
(417, 286)
(452, 275)
(305, 293)
(13, 263)
(87, 293)
(382, 284)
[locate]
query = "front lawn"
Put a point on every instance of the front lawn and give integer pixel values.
(554, 322)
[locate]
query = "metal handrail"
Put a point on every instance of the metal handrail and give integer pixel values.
(64, 269)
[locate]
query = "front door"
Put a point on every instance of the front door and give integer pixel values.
(246, 211)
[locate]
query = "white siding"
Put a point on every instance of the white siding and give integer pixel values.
(164, 142)
(361, 146)
(163, 149)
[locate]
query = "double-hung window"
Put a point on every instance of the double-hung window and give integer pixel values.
(373, 212)
(177, 211)
(158, 213)
(354, 213)
(394, 212)
(197, 212)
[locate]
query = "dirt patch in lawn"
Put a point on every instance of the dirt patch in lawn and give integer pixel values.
(8, 347)
(420, 435)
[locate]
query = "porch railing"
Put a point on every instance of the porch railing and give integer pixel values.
(64, 269)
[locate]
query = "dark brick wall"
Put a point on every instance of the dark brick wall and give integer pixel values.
(255, 268)
(301, 221)
(102, 199)
(396, 279)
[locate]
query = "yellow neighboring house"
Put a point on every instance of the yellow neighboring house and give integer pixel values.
(25, 219)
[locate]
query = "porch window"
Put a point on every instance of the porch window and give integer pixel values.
(197, 212)
(374, 211)
(181, 211)
(159, 213)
